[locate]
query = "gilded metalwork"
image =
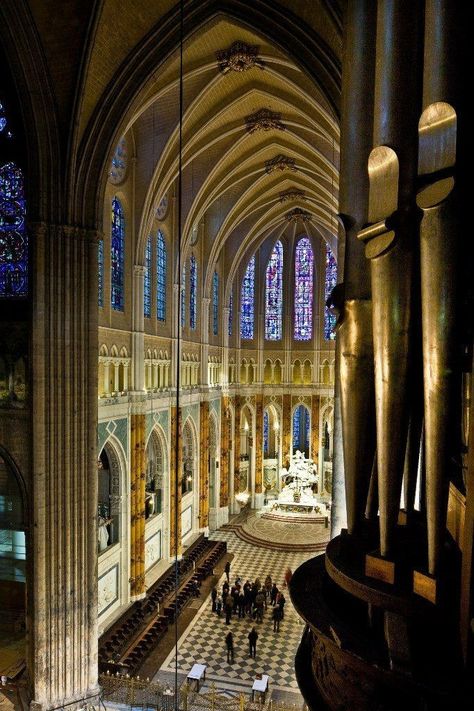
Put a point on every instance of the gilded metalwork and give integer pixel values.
(357, 405)
(437, 132)
(280, 162)
(240, 57)
(383, 176)
(264, 120)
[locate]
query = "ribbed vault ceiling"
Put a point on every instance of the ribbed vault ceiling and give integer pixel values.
(231, 197)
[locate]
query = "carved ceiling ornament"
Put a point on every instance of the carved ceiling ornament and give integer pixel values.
(264, 120)
(298, 214)
(280, 162)
(292, 194)
(239, 58)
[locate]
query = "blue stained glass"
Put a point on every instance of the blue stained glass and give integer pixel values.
(192, 291)
(330, 283)
(160, 277)
(247, 301)
(13, 235)
(100, 265)
(3, 118)
(183, 296)
(274, 294)
(301, 430)
(265, 432)
(117, 255)
(231, 315)
(147, 281)
(215, 304)
(304, 264)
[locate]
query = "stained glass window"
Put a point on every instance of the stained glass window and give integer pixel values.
(13, 236)
(301, 430)
(274, 294)
(247, 301)
(215, 303)
(118, 168)
(330, 283)
(303, 327)
(183, 296)
(160, 277)
(265, 432)
(117, 255)
(147, 284)
(231, 309)
(100, 265)
(3, 118)
(192, 291)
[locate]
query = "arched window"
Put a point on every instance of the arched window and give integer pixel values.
(247, 301)
(274, 294)
(330, 283)
(231, 314)
(100, 267)
(154, 476)
(192, 291)
(117, 255)
(265, 433)
(183, 296)
(147, 284)
(108, 472)
(12, 527)
(188, 460)
(215, 303)
(13, 236)
(160, 277)
(303, 326)
(301, 430)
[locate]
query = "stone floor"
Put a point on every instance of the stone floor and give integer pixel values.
(204, 639)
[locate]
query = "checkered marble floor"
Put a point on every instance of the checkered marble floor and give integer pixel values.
(204, 639)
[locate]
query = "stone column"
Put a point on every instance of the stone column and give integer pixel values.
(286, 429)
(259, 495)
(204, 467)
(238, 405)
(315, 433)
(225, 348)
(176, 472)
(224, 462)
(62, 600)
(137, 497)
(205, 342)
(138, 325)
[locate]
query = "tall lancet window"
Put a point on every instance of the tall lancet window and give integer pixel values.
(274, 294)
(304, 265)
(117, 248)
(215, 304)
(147, 280)
(330, 283)
(160, 277)
(13, 236)
(231, 312)
(100, 267)
(247, 298)
(192, 291)
(183, 295)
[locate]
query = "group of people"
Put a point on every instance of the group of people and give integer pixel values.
(249, 599)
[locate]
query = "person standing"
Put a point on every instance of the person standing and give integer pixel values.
(276, 617)
(281, 605)
(273, 593)
(229, 640)
(229, 605)
(214, 598)
(253, 636)
(227, 570)
(219, 605)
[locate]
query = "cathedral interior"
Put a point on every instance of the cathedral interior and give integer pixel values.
(231, 232)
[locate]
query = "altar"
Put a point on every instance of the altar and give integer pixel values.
(298, 494)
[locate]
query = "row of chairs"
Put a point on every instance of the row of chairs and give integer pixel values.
(117, 639)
